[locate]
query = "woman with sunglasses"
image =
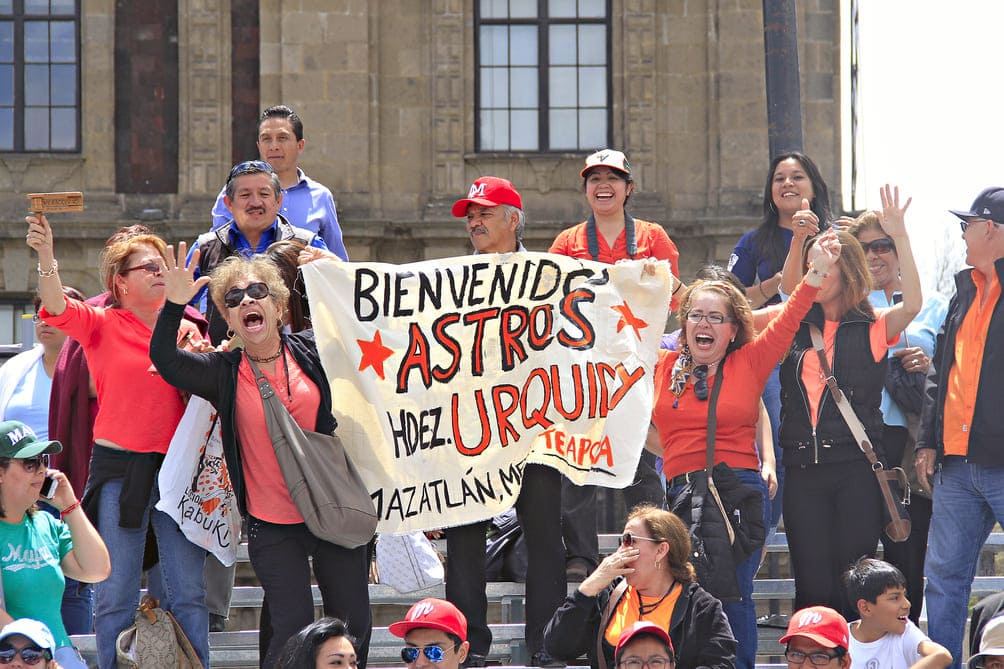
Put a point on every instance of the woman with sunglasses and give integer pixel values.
(913, 356)
(649, 578)
(718, 338)
(137, 415)
(252, 297)
(833, 506)
(40, 552)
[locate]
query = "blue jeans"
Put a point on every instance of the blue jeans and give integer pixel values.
(181, 564)
(968, 500)
(742, 614)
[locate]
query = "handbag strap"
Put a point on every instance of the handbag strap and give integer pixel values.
(608, 612)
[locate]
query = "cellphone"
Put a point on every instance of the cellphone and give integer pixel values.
(49, 486)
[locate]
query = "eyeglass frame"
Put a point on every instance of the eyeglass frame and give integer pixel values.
(159, 268)
(29, 465)
(249, 167)
(700, 372)
(880, 246)
(697, 317)
(630, 538)
(647, 664)
(808, 656)
(429, 651)
(43, 654)
(239, 293)
(964, 223)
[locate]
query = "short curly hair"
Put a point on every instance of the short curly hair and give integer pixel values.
(238, 268)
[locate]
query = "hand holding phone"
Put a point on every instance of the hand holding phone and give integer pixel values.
(49, 486)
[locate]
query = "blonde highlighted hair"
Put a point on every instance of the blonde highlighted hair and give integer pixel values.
(236, 269)
(116, 255)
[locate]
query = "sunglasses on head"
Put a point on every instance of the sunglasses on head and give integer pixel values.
(256, 291)
(434, 654)
(29, 654)
(628, 539)
(249, 167)
(149, 268)
(879, 246)
(701, 385)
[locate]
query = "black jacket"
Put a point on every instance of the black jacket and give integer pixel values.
(986, 434)
(859, 377)
(699, 629)
(213, 376)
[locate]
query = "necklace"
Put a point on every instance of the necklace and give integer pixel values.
(645, 609)
(266, 358)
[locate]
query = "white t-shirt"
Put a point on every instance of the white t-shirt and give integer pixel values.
(893, 651)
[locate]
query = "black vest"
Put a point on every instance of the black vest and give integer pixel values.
(215, 247)
(858, 376)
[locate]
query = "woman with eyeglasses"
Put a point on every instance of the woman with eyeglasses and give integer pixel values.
(649, 578)
(251, 295)
(40, 552)
(322, 643)
(718, 338)
(833, 506)
(912, 355)
(137, 415)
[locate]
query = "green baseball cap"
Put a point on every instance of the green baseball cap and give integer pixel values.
(17, 440)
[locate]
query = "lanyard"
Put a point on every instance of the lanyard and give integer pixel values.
(594, 243)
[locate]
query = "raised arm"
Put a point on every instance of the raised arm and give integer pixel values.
(806, 225)
(50, 288)
(894, 224)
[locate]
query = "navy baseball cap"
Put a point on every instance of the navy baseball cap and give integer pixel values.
(989, 205)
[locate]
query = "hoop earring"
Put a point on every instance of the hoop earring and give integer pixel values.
(231, 334)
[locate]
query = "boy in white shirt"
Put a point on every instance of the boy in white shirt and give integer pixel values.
(885, 637)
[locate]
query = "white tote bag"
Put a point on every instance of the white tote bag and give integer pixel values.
(195, 487)
(408, 562)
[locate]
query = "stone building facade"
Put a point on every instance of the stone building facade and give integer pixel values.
(170, 89)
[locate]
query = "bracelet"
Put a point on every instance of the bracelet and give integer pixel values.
(68, 510)
(49, 272)
(766, 298)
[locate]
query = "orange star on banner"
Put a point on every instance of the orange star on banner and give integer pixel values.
(374, 354)
(628, 319)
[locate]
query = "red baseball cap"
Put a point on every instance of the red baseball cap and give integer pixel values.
(437, 614)
(820, 624)
(640, 628)
(615, 160)
(488, 192)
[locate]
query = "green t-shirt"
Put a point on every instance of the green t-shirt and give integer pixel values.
(33, 582)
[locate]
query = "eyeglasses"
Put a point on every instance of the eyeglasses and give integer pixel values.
(701, 385)
(36, 319)
(656, 662)
(965, 224)
(434, 654)
(819, 659)
(32, 465)
(713, 319)
(150, 268)
(628, 539)
(29, 654)
(879, 246)
(256, 291)
(249, 167)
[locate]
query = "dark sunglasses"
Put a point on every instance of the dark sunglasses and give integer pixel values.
(879, 246)
(32, 465)
(435, 654)
(249, 167)
(628, 539)
(29, 654)
(256, 291)
(701, 386)
(150, 267)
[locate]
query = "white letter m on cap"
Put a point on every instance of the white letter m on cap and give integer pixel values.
(477, 190)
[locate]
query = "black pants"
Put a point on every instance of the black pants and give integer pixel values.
(539, 511)
(579, 514)
(832, 516)
(280, 558)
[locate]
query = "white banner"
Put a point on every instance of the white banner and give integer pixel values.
(447, 376)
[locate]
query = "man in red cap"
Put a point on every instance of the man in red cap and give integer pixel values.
(644, 645)
(495, 220)
(817, 634)
(434, 633)
(494, 212)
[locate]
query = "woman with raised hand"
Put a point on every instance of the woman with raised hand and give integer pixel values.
(252, 297)
(138, 413)
(833, 505)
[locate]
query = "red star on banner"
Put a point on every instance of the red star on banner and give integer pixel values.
(628, 319)
(374, 354)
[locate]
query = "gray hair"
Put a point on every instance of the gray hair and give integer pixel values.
(232, 183)
(520, 225)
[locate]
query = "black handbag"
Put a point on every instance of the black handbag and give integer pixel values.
(724, 516)
(905, 388)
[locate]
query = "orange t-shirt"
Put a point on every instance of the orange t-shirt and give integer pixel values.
(268, 497)
(964, 376)
(137, 410)
(812, 376)
(628, 612)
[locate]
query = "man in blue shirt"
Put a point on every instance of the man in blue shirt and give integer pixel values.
(305, 203)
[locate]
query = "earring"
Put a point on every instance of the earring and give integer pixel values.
(231, 334)
(733, 340)
(278, 322)
(125, 290)
(658, 564)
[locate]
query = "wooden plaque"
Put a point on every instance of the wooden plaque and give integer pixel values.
(48, 203)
